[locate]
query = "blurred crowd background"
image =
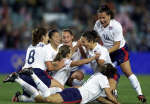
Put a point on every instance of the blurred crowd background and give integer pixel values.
(19, 17)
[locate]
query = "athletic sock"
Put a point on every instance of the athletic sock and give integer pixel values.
(30, 89)
(135, 84)
(41, 86)
(23, 98)
(77, 82)
(54, 90)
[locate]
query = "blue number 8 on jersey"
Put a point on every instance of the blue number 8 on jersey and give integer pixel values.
(31, 57)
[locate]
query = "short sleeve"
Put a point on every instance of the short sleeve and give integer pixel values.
(104, 83)
(118, 33)
(48, 55)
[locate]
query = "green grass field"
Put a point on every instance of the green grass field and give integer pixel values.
(126, 93)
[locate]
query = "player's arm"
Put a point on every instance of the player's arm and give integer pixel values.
(115, 47)
(104, 100)
(84, 61)
(110, 96)
(54, 65)
(100, 61)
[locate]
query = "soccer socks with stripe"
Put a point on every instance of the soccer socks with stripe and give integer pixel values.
(30, 89)
(135, 84)
(41, 86)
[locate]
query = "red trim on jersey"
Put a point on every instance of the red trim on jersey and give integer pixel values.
(126, 54)
(77, 101)
(50, 77)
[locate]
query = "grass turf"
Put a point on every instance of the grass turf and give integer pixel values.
(126, 93)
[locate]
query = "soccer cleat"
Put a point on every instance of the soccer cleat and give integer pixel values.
(142, 98)
(15, 98)
(27, 71)
(11, 77)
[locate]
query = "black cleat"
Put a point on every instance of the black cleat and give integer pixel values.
(142, 98)
(27, 71)
(16, 97)
(11, 77)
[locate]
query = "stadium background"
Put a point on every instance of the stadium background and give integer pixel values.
(19, 17)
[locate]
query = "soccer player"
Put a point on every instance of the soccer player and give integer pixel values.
(38, 57)
(89, 41)
(76, 77)
(111, 34)
(63, 74)
(94, 87)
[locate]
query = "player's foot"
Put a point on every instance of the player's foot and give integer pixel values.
(15, 98)
(142, 98)
(27, 71)
(11, 77)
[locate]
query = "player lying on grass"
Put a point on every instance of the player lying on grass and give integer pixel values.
(61, 75)
(97, 85)
(90, 45)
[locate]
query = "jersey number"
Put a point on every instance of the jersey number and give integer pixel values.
(31, 57)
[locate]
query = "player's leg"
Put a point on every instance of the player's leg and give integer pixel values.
(126, 68)
(68, 95)
(55, 98)
(14, 77)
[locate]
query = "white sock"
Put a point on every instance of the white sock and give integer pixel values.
(31, 90)
(54, 90)
(23, 98)
(41, 86)
(76, 82)
(135, 84)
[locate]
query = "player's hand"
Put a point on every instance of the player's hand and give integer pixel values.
(97, 55)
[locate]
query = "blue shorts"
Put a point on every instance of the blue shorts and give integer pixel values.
(71, 95)
(120, 56)
(45, 78)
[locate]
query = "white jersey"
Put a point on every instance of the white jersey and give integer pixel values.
(52, 51)
(36, 56)
(76, 55)
(104, 55)
(110, 34)
(63, 74)
(93, 87)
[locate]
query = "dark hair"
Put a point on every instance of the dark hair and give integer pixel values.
(62, 53)
(107, 10)
(69, 31)
(51, 32)
(91, 35)
(108, 70)
(37, 35)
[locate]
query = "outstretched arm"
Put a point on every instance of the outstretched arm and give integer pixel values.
(84, 61)
(104, 100)
(110, 96)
